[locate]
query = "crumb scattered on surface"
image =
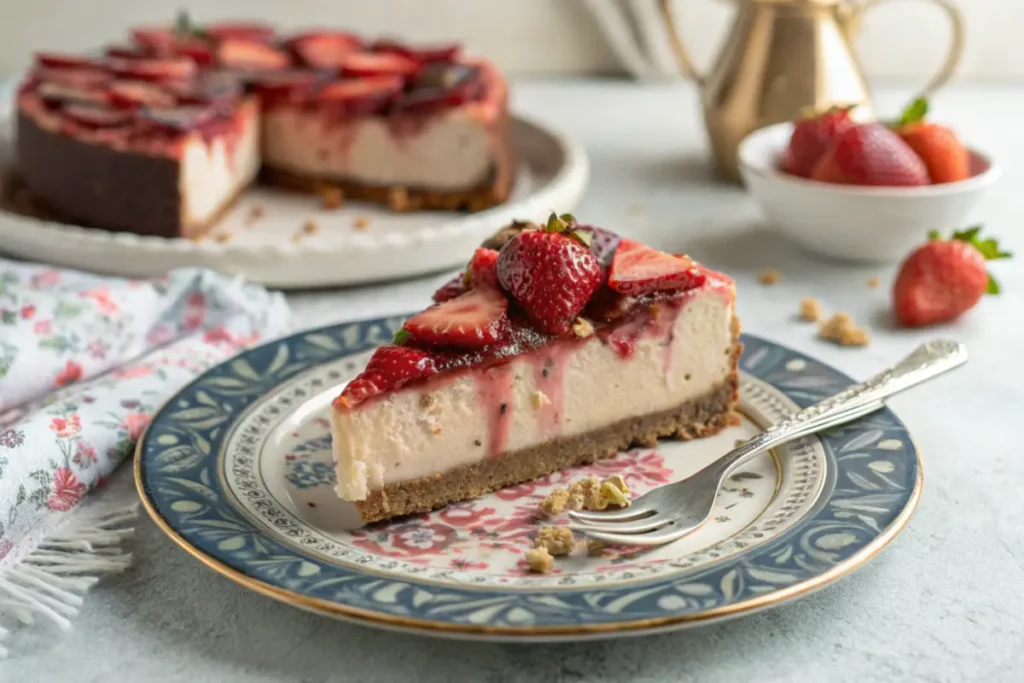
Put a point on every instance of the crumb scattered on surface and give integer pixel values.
(331, 198)
(613, 491)
(555, 503)
(582, 328)
(255, 213)
(557, 540)
(222, 237)
(594, 548)
(539, 560)
(398, 199)
(769, 276)
(588, 493)
(840, 329)
(540, 399)
(361, 223)
(874, 282)
(810, 310)
(309, 227)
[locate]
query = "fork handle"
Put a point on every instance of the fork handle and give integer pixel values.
(927, 361)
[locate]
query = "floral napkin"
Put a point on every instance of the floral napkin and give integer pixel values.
(84, 362)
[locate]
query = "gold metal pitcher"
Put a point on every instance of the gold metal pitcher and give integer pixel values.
(782, 57)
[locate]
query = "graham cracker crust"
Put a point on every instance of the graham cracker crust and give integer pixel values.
(399, 199)
(696, 418)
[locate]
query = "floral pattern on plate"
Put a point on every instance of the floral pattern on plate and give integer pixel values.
(232, 495)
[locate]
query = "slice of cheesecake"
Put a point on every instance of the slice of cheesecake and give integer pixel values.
(565, 346)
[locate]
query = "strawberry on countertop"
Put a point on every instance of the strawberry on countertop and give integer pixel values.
(551, 273)
(938, 146)
(870, 154)
(811, 136)
(943, 279)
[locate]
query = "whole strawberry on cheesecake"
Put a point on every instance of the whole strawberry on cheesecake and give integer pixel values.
(160, 135)
(558, 345)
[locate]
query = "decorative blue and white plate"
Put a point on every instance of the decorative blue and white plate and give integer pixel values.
(237, 470)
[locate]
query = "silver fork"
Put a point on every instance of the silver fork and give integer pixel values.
(671, 511)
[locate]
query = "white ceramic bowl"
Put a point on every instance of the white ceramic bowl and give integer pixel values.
(852, 223)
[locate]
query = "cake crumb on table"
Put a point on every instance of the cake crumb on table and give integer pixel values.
(255, 213)
(539, 560)
(840, 329)
(557, 540)
(873, 282)
(587, 492)
(555, 503)
(331, 198)
(769, 276)
(361, 223)
(309, 227)
(810, 310)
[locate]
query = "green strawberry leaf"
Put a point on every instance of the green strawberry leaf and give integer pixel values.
(584, 237)
(914, 113)
(988, 248)
(401, 337)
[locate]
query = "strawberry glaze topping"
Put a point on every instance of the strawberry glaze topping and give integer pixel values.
(214, 66)
(470, 331)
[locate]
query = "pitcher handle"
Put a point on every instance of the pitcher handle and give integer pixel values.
(856, 11)
(682, 54)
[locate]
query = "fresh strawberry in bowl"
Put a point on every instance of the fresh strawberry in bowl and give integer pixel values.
(855, 189)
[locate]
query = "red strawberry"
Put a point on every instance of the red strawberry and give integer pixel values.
(451, 289)
(389, 368)
(91, 116)
(59, 60)
(85, 78)
(811, 137)
(243, 53)
(224, 30)
(324, 50)
(424, 55)
(131, 94)
(476, 318)
(551, 273)
(870, 154)
(376, 64)
(360, 95)
(483, 269)
(638, 269)
(939, 147)
(122, 52)
(943, 279)
(163, 69)
(290, 85)
(437, 86)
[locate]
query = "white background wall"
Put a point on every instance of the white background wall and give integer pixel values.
(902, 40)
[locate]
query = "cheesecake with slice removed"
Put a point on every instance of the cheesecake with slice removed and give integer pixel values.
(159, 136)
(560, 345)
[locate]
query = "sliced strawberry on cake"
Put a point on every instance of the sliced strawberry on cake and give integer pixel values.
(508, 380)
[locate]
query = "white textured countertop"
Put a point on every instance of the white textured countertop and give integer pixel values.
(943, 603)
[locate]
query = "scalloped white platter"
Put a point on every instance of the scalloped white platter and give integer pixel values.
(274, 250)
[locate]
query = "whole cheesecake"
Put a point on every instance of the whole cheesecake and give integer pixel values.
(160, 136)
(559, 345)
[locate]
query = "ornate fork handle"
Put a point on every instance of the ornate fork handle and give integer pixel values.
(927, 361)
